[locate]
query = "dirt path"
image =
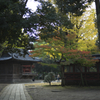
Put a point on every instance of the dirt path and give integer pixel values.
(38, 92)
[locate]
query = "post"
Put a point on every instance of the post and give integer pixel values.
(62, 75)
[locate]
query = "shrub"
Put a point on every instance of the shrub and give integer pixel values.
(49, 77)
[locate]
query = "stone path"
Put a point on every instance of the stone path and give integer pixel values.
(14, 92)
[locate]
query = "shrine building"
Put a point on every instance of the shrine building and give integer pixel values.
(16, 68)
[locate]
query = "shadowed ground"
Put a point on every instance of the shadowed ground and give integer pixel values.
(42, 91)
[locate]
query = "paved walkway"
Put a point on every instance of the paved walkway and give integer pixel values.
(15, 92)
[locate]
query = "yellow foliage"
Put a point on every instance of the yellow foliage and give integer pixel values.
(85, 30)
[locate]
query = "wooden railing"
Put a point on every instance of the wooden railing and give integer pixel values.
(86, 76)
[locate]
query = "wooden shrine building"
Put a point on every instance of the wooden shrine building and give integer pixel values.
(90, 74)
(13, 67)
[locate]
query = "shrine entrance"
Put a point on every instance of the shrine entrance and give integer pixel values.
(27, 72)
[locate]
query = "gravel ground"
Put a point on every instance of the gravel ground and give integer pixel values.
(63, 93)
(56, 92)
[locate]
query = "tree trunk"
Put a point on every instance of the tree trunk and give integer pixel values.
(82, 80)
(97, 3)
(62, 76)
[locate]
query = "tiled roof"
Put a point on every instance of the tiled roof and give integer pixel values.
(17, 56)
(5, 58)
(97, 56)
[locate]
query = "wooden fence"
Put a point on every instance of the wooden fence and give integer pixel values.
(86, 76)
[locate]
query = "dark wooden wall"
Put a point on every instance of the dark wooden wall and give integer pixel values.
(10, 71)
(6, 72)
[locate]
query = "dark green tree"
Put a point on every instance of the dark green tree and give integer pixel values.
(44, 68)
(15, 22)
(51, 22)
(77, 7)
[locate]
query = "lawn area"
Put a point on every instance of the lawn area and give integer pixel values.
(57, 85)
(44, 84)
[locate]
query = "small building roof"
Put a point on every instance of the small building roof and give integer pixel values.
(20, 57)
(97, 56)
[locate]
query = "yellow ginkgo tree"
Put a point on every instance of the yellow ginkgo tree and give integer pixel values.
(85, 30)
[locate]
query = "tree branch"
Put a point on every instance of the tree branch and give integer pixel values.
(26, 2)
